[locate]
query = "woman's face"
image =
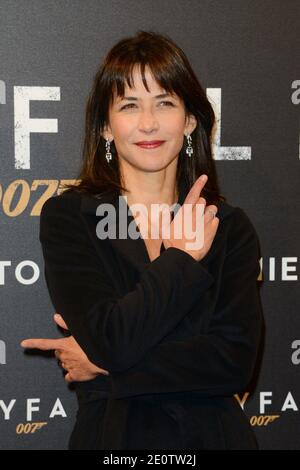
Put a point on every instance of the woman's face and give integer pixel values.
(146, 117)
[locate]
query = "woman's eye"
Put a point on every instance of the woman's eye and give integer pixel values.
(168, 102)
(124, 107)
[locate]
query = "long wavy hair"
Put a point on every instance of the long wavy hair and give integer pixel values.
(173, 72)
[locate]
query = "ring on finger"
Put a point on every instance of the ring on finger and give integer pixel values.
(212, 212)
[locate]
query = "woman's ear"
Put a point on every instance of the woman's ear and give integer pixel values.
(106, 133)
(191, 124)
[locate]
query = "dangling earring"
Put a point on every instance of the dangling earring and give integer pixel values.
(108, 154)
(189, 150)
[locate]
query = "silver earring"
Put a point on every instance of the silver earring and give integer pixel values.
(108, 153)
(189, 150)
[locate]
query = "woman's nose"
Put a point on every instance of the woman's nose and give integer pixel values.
(148, 121)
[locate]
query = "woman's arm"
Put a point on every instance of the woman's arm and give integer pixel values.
(222, 360)
(115, 333)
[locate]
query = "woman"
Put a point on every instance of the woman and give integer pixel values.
(162, 335)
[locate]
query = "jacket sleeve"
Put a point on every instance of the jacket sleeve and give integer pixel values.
(115, 332)
(220, 361)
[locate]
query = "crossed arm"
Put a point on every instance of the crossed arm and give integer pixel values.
(219, 361)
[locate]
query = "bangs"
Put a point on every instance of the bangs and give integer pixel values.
(124, 75)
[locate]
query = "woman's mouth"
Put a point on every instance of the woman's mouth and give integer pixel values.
(151, 144)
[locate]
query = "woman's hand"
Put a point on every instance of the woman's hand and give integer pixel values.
(72, 358)
(193, 217)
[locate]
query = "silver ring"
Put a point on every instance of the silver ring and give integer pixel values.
(212, 212)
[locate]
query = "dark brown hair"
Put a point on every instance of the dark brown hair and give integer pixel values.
(173, 72)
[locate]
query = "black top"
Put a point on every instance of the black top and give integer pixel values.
(178, 336)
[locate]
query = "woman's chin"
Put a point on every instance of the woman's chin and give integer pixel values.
(153, 167)
(153, 162)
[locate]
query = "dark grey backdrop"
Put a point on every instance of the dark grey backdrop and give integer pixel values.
(247, 52)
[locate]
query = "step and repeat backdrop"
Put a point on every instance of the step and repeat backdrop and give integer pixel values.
(246, 54)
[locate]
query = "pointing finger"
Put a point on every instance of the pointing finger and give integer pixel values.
(195, 191)
(42, 343)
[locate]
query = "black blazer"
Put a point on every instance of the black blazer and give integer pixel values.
(179, 337)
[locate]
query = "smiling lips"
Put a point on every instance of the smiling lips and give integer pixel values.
(150, 144)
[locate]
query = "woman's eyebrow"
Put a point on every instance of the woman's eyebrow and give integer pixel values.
(134, 98)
